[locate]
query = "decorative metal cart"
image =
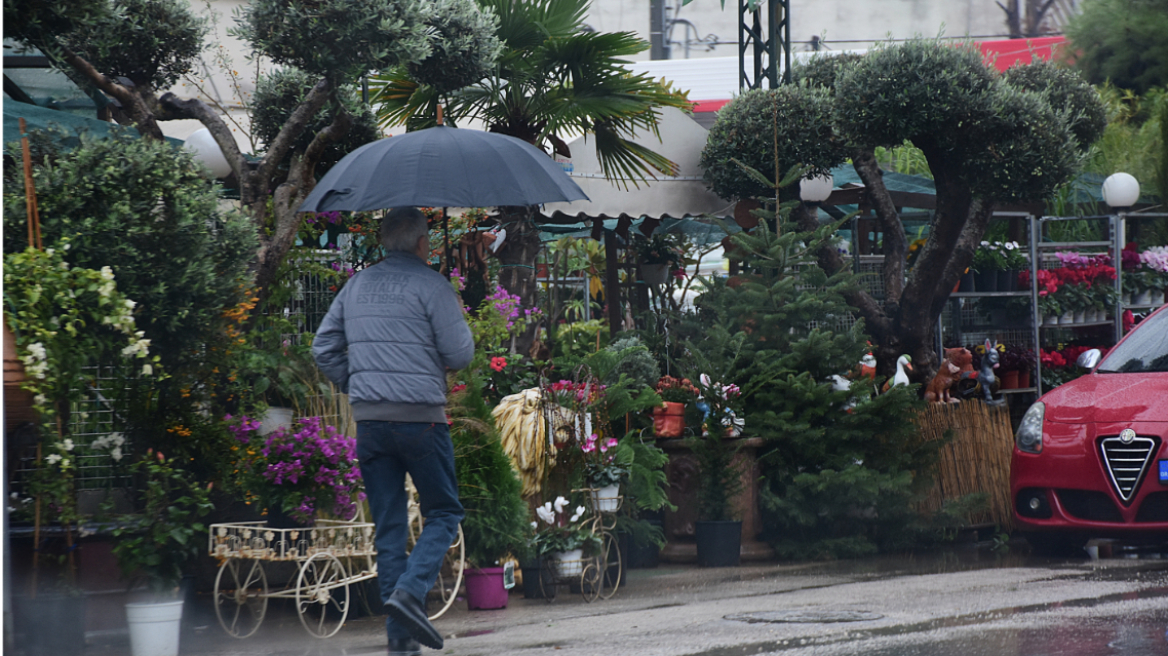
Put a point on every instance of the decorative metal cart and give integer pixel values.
(330, 556)
(598, 575)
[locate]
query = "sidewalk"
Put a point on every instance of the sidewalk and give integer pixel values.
(281, 632)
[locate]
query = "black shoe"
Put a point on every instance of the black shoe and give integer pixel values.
(404, 647)
(411, 615)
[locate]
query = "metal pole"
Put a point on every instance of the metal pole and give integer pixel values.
(1035, 233)
(1118, 239)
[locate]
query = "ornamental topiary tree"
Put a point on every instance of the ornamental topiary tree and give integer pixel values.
(987, 139)
(332, 41)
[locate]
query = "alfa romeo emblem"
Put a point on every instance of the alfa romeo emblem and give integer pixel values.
(1127, 435)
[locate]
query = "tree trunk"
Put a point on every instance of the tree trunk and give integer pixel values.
(518, 255)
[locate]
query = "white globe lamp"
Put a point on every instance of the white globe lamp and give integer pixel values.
(816, 189)
(202, 145)
(1121, 190)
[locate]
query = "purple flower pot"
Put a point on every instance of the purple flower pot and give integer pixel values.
(484, 589)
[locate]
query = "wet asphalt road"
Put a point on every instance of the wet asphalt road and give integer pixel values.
(964, 602)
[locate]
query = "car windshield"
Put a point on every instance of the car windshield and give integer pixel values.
(1145, 349)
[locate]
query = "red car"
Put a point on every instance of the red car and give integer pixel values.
(1091, 456)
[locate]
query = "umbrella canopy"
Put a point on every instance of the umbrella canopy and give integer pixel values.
(442, 167)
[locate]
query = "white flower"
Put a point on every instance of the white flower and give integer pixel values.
(147, 370)
(53, 458)
(107, 273)
(985, 243)
(116, 453)
(49, 252)
(65, 462)
(705, 378)
(545, 513)
(39, 399)
(99, 443)
(130, 304)
(560, 504)
(15, 496)
(116, 439)
(37, 350)
(578, 514)
(67, 444)
(534, 525)
(66, 246)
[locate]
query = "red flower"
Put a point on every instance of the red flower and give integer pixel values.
(499, 363)
(457, 388)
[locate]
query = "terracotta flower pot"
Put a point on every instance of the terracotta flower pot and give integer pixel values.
(1024, 379)
(669, 421)
(1009, 379)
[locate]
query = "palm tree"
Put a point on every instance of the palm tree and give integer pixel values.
(554, 80)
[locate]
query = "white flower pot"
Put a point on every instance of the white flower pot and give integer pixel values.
(1050, 320)
(1157, 298)
(568, 563)
(1067, 319)
(1125, 298)
(276, 417)
(655, 274)
(1081, 316)
(606, 499)
(154, 627)
(1142, 298)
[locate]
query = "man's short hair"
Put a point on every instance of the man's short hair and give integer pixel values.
(401, 229)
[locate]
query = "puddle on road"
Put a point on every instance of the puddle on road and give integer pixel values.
(805, 617)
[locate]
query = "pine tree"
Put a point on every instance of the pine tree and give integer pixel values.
(837, 481)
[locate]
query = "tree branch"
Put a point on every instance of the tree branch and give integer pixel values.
(132, 104)
(174, 107)
(895, 242)
(278, 150)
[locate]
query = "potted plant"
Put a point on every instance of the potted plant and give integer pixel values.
(155, 545)
(300, 471)
(988, 260)
(496, 516)
(602, 473)
(717, 532)
(675, 393)
(658, 255)
(565, 538)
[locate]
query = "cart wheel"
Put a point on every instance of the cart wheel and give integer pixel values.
(322, 595)
(611, 567)
(547, 579)
(241, 596)
(450, 576)
(591, 581)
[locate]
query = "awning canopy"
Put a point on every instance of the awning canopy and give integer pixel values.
(679, 196)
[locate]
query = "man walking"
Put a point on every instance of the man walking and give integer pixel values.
(387, 341)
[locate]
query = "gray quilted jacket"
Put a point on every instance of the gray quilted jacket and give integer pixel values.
(389, 337)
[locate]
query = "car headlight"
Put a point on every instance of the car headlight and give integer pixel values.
(1029, 435)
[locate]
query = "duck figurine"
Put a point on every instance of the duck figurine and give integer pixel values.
(901, 377)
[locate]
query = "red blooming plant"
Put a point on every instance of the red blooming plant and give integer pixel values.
(301, 470)
(676, 390)
(498, 363)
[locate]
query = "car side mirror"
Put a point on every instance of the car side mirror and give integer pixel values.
(1088, 359)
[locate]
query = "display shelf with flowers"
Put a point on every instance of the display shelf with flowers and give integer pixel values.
(300, 471)
(1059, 363)
(1145, 277)
(1021, 359)
(676, 394)
(995, 266)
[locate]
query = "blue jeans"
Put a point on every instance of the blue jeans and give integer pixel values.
(387, 452)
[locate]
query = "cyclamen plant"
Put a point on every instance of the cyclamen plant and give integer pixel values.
(559, 531)
(309, 468)
(600, 468)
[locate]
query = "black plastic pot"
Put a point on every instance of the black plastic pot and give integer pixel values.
(643, 556)
(966, 284)
(1007, 281)
(986, 281)
(719, 543)
(531, 573)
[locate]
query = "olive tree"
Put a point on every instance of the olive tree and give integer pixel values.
(332, 41)
(988, 139)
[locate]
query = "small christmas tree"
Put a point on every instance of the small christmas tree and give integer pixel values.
(841, 468)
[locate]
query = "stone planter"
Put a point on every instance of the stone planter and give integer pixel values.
(655, 274)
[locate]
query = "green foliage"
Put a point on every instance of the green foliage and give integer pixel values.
(39, 22)
(142, 208)
(1133, 141)
(636, 362)
(822, 70)
(496, 519)
(166, 533)
(552, 80)
(1067, 92)
(278, 94)
(153, 43)
(466, 50)
(341, 39)
(798, 118)
(1121, 42)
(574, 341)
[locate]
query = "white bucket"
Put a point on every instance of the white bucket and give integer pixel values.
(569, 563)
(276, 417)
(154, 627)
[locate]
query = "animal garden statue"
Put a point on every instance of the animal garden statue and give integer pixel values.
(956, 360)
(985, 375)
(901, 377)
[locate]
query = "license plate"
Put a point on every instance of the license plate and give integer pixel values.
(1164, 472)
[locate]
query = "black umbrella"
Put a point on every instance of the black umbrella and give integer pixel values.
(442, 167)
